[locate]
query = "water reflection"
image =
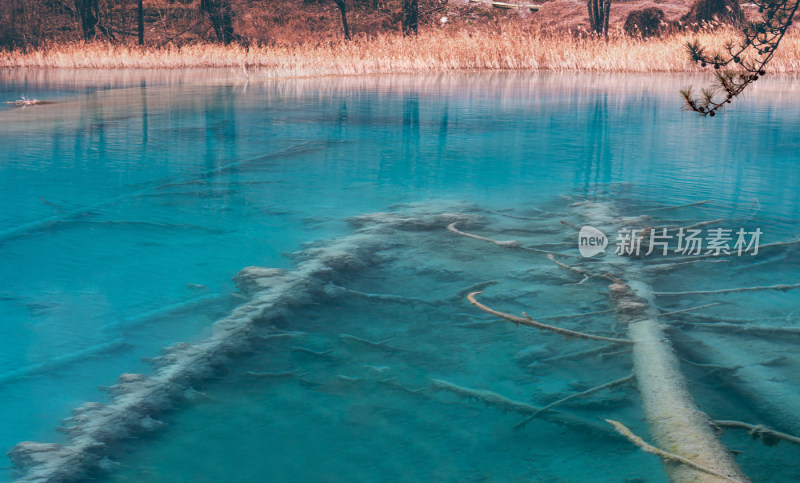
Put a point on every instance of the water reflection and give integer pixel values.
(583, 129)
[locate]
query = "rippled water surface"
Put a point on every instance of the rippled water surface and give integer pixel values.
(129, 203)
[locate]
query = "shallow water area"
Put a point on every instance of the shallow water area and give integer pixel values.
(129, 204)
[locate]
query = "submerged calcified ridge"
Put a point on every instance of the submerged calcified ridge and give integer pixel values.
(138, 397)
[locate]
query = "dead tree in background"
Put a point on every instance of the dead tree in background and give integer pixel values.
(598, 15)
(221, 16)
(343, 9)
(410, 17)
(89, 13)
(140, 20)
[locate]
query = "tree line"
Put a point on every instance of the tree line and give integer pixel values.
(30, 22)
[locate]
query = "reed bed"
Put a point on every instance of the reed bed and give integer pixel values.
(437, 50)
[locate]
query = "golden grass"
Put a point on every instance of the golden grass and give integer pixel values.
(436, 50)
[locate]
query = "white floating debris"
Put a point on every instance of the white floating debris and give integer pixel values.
(24, 101)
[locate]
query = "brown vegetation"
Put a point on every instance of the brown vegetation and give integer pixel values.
(506, 47)
(289, 38)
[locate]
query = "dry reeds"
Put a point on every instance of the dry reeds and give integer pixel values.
(436, 50)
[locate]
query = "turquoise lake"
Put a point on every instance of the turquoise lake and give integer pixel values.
(129, 203)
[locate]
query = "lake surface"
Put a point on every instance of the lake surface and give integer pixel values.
(129, 204)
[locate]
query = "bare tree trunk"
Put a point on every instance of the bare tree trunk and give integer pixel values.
(343, 9)
(599, 11)
(87, 10)
(221, 16)
(411, 17)
(140, 18)
(227, 21)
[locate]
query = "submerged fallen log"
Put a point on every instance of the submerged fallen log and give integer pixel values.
(502, 243)
(525, 320)
(782, 287)
(138, 398)
(505, 404)
(505, 243)
(59, 362)
(772, 394)
(666, 455)
(675, 421)
(676, 207)
(588, 392)
(745, 328)
(674, 418)
(769, 436)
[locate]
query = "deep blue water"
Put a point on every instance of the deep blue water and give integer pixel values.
(130, 196)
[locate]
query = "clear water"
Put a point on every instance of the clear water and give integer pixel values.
(127, 206)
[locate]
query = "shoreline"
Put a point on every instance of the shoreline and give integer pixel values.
(435, 51)
(63, 89)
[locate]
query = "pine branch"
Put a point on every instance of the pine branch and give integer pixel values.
(749, 59)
